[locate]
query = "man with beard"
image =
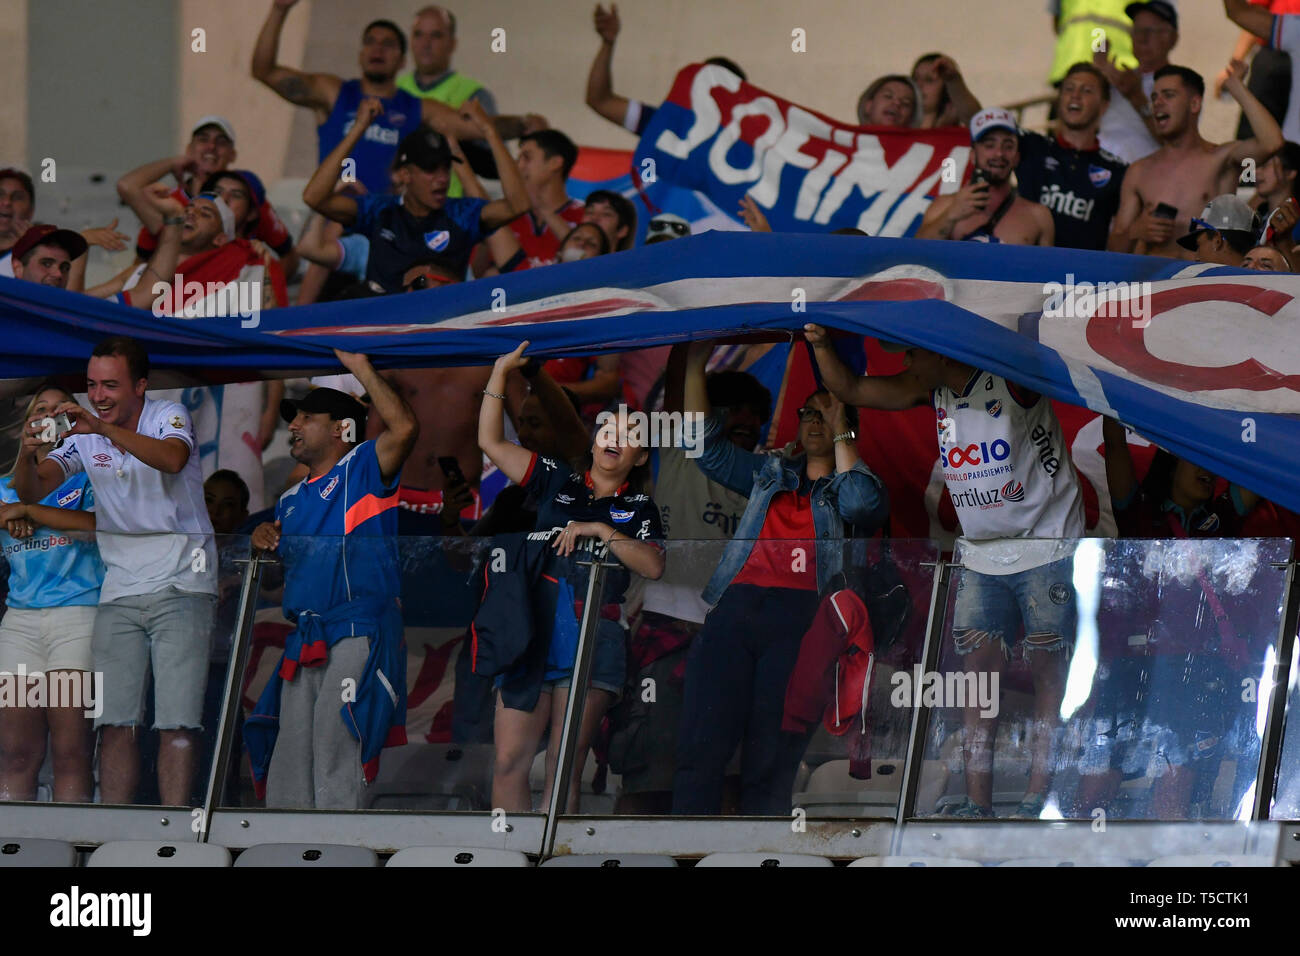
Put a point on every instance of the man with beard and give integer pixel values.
(335, 101)
(987, 209)
(1187, 171)
(1070, 173)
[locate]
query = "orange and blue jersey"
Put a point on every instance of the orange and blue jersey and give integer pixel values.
(339, 537)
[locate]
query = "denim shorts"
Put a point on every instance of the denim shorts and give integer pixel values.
(168, 633)
(608, 661)
(993, 606)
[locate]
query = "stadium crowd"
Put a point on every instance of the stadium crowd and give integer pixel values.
(109, 523)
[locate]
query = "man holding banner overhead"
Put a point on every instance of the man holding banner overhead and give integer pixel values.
(1017, 495)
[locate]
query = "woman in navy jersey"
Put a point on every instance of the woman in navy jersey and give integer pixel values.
(574, 509)
(788, 547)
(54, 581)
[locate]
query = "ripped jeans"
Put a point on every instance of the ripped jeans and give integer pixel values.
(991, 607)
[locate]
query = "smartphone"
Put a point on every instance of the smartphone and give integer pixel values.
(62, 424)
(979, 176)
(451, 468)
(1165, 211)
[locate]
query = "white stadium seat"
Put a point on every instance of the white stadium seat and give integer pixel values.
(159, 853)
(24, 852)
(456, 856)
(763, 859)
(307, 854)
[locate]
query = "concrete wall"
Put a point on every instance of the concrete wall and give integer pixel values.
(13, 80)
(135, 85)
(101, 82)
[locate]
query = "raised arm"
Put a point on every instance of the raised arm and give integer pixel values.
(509, 457)
(315, 90)
(168, 455)
(398, 438)
(166, 257)
(34, 480)
(1249, 17)
(1121, 476)
(319, 193)
(515, 202)
(600, 81)
(1268, 135)
(502, 243)
(605, 383)
(315, 246)
(571, 436)
(964, 102)
(133, 188)
(887, 392)
(1128, 84)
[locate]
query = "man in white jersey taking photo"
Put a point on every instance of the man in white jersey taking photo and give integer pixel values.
(158, 599)
(1009, 477)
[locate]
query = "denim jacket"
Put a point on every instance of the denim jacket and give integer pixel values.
(855, 497)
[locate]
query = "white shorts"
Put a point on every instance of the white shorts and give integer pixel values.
(47, 639)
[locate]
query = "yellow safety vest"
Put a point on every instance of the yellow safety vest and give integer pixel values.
(1078, 22)
(455, 91)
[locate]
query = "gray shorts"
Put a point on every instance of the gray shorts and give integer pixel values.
(168, 633)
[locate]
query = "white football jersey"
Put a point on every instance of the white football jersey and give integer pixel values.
(1008, 473)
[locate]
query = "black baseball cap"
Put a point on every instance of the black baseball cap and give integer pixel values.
(426, 149)
(43, 234)
(339, 405)
(1162, 8)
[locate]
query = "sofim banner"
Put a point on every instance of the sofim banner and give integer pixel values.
(723, 137)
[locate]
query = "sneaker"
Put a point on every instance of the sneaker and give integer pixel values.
(972, 810)
(1031, 807)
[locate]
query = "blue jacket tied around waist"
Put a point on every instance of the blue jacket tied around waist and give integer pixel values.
(377, 718)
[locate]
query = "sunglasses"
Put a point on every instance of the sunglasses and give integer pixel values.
(658, 226)
(422, 282)
(807, 414)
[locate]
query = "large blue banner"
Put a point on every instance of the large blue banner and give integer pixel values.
(1204, 361)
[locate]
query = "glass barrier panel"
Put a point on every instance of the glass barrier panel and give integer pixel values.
(1165, 844)
(114, 651)
(1103, 678)
(321, 717)
(1286, 798)
(777, 700)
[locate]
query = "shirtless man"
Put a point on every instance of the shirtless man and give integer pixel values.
(1187, 171)
(991, 211)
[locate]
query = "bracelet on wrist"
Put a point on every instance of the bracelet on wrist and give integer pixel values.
(493, 395)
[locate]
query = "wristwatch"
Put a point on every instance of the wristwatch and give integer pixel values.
(850, 435)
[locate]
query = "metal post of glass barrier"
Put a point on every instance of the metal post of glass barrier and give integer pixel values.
(577, 697)
(929, 663)
(1270, 750)
(239, 650)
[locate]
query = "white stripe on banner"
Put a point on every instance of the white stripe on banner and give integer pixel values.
(1088, 385)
